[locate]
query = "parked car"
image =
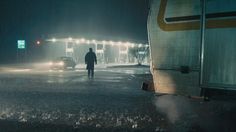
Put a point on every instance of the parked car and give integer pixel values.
(63, 63)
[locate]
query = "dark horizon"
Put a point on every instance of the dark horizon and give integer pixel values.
(38, 20)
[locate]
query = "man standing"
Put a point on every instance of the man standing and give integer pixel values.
(90, 59)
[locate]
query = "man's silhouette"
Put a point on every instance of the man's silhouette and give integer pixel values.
(90, 59)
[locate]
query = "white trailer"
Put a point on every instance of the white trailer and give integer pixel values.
(189, 54)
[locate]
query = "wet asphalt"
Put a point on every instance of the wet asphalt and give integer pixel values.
(43, 100)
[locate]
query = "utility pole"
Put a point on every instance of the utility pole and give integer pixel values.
(202, 44)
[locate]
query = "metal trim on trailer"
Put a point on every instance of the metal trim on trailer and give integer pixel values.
(193, 25)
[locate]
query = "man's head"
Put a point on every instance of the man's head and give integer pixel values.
(90, 50)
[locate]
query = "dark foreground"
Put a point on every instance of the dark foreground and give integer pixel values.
(67, 101)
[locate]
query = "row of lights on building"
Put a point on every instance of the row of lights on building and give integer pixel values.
(85, 41)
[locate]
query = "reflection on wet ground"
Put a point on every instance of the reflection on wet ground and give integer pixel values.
(112, 101)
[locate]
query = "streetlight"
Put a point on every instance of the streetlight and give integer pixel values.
(70, 39)
(88, 42)
(77, 42)
(94, 41)
(82, 40)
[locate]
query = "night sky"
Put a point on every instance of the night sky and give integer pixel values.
(32, 20)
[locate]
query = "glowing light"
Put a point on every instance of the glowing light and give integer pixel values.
(20, 70)
(111, 42)
(77, 42)
(50, 63)
(87, 42)
(119, 43)
(127, 44)
(54, 40)
(94, 41)
(61, 63)
(38, 42)
(70, 39)
(82, 40)
(103, 42)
